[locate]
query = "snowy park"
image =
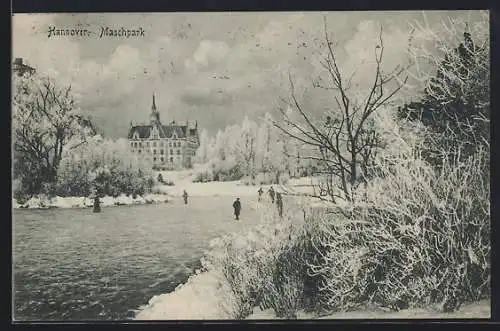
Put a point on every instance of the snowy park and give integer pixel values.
(279, 165)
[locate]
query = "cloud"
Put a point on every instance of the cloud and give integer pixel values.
(208, 52)
(213, 67)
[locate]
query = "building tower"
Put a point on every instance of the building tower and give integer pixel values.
(155, 115)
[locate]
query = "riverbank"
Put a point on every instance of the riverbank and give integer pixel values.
(44, 202)
(204, 296)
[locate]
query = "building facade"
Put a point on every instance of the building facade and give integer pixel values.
(171, 146)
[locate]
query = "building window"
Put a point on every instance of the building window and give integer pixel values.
(161, 151)
(171, 159)
(139, 151)
(154, 159)
(140, 144)
(171, 151)
(178, 152)
(147, 144)
(162, 159)
(154, 151)
(170, 144)
(154, 144)
(161, 143)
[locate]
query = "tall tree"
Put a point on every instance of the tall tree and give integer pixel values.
(456, 99)
(45, 118)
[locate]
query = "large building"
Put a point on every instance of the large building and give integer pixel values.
(21, 69)
(170, 146)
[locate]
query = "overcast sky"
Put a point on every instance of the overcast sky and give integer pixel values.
(210, 67)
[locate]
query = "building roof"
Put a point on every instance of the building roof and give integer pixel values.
(20, 68)
(165, 131)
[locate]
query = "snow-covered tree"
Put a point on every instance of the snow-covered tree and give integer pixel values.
(203, 149)
(108, 166)
(44, 119)
(246, 147)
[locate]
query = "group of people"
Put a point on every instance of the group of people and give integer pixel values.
(274, 196)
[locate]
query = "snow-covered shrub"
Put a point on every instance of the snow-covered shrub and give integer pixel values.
(105, 165)
(266, 178)
(266, 267)
(419, 238)
(203, 177)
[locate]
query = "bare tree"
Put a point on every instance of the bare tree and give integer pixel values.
(347, 140)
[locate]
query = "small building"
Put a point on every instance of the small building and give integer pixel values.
(171, 146)
(20, 68)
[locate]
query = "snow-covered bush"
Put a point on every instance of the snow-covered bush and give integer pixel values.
(266, 178)
(105, 165)
(203, 177)
(266, 267)
(420, 238)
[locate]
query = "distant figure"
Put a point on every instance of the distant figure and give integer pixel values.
(279, 203)
(237, 208)
(97, 204)
(185, 196)
(260, 191)
(271, 194)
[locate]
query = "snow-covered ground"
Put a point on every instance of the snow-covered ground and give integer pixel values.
(204, 296)
(479, 309)
(42, 202)
(183, 180)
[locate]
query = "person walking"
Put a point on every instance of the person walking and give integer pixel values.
(185, 196)
(279, 204)
(260, 191)
(271, 194)
(237, 208)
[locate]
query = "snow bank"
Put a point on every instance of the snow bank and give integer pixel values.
(44, 202)
(206, 295)
(203, 296)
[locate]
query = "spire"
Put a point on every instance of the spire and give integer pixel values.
(155, 116)
(196, 124)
